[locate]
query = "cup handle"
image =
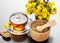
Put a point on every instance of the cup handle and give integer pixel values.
(29, 21)
(28, 24)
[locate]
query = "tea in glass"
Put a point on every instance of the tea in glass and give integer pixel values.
(18, 21)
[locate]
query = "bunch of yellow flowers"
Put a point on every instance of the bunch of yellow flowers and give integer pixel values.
(41, 9)
(8, 25)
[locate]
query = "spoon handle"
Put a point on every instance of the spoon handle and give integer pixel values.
(41, 28)
(49, 24)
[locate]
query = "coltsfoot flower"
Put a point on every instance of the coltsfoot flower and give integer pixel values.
(39, 17)
(41, 9)
(51, 4)
(7, 26)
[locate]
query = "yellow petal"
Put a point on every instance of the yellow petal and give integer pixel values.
(37, 12)
(28, 11)
(51, 4)
(9, 22)
(43, 3)
(39, 7)
(44, 15)
(39, 17)
(6, 26)
(54, 11)
(47, 18)
(44, 10)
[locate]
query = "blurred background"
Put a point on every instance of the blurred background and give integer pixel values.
(8, 7)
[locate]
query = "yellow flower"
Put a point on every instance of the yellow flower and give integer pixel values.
(41, 0)
(9, 22)
(39, 17)
(44, 10)
(37, 12)
(54, 11)
(29, 5)
(44, 15)
(51, 4)
(30, 1)
(47, 18)
(39, 7)
(33, 4)
(34, 9)
(29, 11)
(7, 26)
(43, 3)
(48, 14)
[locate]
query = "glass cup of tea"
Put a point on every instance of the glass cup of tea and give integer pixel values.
(18, 22)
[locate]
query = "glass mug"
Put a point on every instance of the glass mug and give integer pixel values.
(18, 21)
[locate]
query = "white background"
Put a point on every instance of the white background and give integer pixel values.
(7, 7)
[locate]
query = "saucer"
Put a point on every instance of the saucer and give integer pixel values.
(11, 30)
